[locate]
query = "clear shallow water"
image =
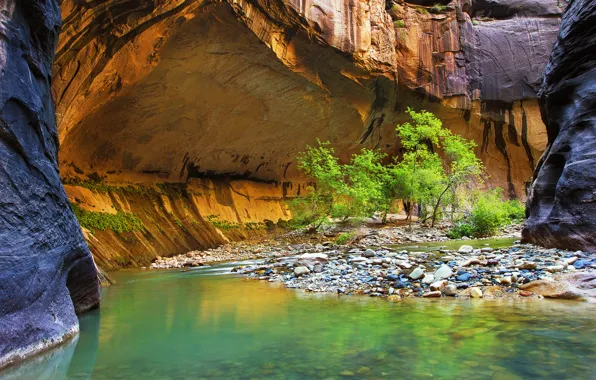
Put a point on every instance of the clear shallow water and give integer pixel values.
(194, 325)
(455, 244)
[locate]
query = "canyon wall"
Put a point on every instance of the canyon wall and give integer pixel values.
(175, 218)
(235, 89)
(46, 270)
(562, 204)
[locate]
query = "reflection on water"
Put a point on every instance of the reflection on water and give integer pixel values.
(186, 325)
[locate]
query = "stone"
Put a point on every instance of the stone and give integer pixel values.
(301, 271)
(475, 293)
(573, 286)
(438, 285)
(467, 249)
(525, 293)
(432, 294)
(444, 271)
(428, 279)
(450, 290)
(528, 265)
(471, 262)
(394, 298)
(561, 208)
(416, 274)
(506, 280)
(368, 253)
(464, 277)
(555, 268)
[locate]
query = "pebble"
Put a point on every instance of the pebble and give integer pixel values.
(417, 273)
(467, 249)
(301, 271)
(432, 294)
(443, 272)
(450, 290)
(475, 293)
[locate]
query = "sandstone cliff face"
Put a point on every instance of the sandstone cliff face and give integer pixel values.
(562, 205)
(46, 270)
(182, 89)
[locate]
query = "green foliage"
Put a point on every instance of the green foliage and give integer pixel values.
(365, 185)
(427, 178)
(344, 237)
(488, 215)
(180, 225)
(399, 23)
(119, 222)
(422, 10)
(438, 8)
(460, 230)
(221, 224)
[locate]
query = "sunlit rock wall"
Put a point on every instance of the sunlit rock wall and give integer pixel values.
(182, 89)
(46, 270)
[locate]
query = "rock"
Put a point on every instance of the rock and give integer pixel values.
(428, 279)
(310, 259)
(471, 262)
(47, 274)
(560, 205)
(555, 268)
(368, 253)
(444, 271)
(438, 285)
(301, 271)
(394, 298)
(506, 280)
(467, 249)
(527, 265)
(525, 293)
(447, 258)
(417, 273)
(574, 286)
(432, 294)
(579, 264)
(464, 277)
(475, 293)
(347, 373)
(450, 290)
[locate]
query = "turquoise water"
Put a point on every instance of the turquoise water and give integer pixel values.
(197, 325)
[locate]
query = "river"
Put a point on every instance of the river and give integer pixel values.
(206, 323)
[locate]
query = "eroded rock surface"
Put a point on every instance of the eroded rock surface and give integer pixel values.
(562, 205)
(46, 271)
(196, 88)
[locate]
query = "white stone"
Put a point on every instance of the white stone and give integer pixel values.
(428, 279)
(443, 272)
(417, 274)
(465, 249)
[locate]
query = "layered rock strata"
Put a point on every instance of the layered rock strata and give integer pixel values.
(182, 89)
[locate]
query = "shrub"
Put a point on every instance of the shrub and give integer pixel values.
(488, 215)
(399, 23)
(344, 237)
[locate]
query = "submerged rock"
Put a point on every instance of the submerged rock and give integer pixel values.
(475, 293)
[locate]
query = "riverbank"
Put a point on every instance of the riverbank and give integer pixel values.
(397, 262)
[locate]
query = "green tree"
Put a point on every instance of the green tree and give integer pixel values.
(432, 177)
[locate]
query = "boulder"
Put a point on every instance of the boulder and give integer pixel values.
(466, 249)
(574, 286)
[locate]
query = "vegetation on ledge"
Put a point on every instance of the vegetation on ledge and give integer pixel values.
(120, 222)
